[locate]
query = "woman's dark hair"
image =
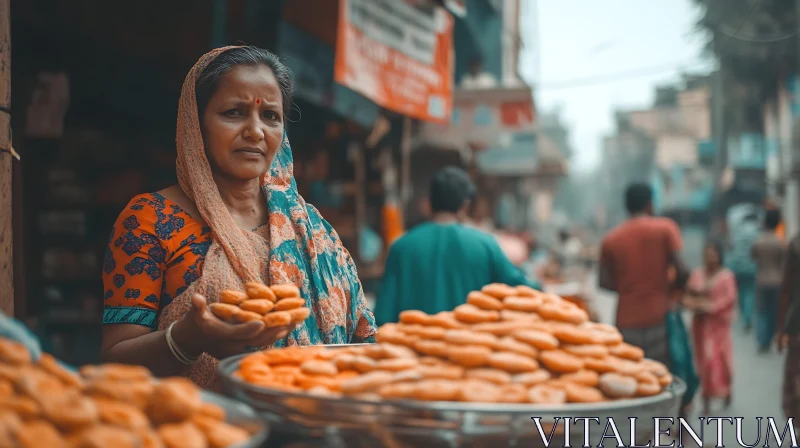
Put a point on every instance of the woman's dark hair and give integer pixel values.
(451, 188)
(638, 197)
(208, 80)
(772, 219)
(719, 248)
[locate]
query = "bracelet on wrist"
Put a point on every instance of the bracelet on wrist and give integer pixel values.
(177, 351)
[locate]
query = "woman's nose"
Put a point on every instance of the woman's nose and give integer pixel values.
(253, 130)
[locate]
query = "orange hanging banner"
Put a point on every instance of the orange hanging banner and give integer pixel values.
(398, 55)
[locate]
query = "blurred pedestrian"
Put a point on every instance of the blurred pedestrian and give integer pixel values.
(789, 325)
(769, 254)
(711, 294)
(436, 264)
(634, 262)
(743, 227)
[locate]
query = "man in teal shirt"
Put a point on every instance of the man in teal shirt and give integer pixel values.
(435, 265)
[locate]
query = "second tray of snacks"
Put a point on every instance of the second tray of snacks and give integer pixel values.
(478, 373)
(43, 404)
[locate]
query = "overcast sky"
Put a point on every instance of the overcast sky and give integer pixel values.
(592, 57)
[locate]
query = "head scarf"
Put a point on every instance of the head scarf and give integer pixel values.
(296, 246)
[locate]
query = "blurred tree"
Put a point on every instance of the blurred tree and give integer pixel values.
(757, 42)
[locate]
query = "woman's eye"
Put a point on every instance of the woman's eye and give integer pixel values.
(234, 113)
(271, 116)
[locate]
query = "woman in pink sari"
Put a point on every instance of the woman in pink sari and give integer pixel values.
(712, 295)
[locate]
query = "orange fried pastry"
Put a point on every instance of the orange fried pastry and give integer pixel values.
(260, 306)
(69, 413)
(483, 301)
(471, 314)
(124, 415)
(182, 435)
(289, 304)
(224, 311)
(104, 436)
(259, 291)
(490, 375)
(476, 391)
(322, 368)
(396, 364)
(299, 315)
(583, 377)
(532, 378)
(414, 317)
(498, 290)
(587, 350)
(614, 385)
(14, 353)
(232, 297)
(582, 394)
(522, 304)
(285, 291)
(627, 351)
(136, 393)
(220, 434)
(366, 383)
(543, 394)
(174, 400)
(243, 316)
(563, 312)
(467, 337)
(526, 291)
(509, 344)
(560, 361)
(398, 391)
(469, 355)
(512, 362)
(444, 371)
(24, 407)
(445, 319)
(277, 319)
(49, 364)
(538, 339)
(212, 411)
(437, 390)
(39, 434)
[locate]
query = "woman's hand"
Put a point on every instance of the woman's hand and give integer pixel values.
(200, 331)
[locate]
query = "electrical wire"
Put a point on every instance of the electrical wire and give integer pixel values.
(620, 76)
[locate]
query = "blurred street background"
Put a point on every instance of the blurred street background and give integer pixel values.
(553, 106)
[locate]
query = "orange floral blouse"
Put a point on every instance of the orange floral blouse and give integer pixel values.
(155, 252)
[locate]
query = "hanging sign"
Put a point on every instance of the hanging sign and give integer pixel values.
(398, 55)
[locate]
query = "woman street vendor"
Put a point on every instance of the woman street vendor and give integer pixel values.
(234, 217)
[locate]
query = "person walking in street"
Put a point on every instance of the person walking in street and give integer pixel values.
(711, 294)
(435, 265)
(769, 254)
(743, 228)
(635, 261)
(789, 324)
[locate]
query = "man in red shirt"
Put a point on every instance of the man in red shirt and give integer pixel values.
(635, 261)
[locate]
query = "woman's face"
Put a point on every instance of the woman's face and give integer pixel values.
(711, 256)
(243, 122)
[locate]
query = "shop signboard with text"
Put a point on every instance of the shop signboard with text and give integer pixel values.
(398, 55)
(497, 126)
